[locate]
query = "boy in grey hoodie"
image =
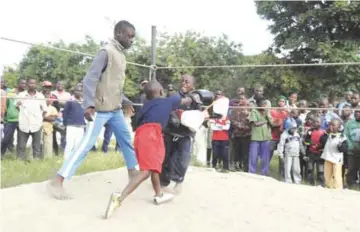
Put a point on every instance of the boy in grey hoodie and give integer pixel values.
(289, 149)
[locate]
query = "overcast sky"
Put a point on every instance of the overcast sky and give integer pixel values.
(48, 20)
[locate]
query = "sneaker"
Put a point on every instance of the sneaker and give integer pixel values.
(113, 204)
(165, 197)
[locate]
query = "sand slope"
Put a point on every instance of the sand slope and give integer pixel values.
(210, 201)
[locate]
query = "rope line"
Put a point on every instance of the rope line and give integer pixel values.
(259, 65)
(66, 50)
(152, 67)
(230, 107)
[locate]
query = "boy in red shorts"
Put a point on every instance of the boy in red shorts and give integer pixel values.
(149, 143)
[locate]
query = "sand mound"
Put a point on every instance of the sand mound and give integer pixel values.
(210, 201)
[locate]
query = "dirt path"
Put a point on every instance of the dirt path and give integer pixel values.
(210, 201)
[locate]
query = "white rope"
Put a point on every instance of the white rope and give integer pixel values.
(230, 107)
(52, 99)
(259, 65)
(66, 50)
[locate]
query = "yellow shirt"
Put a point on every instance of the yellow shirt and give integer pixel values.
(48, 126)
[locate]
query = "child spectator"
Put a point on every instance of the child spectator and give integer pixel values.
(291, 103)
(73, 119)
(289, 149)
(334, 145)
(48, 128)
(241, 134)
(220, 142)
(302, 112)
(326, 114)
(313, 153)
(352, 133)
(278, 116)
(346, 115)
(149, 143)
(307, 126)
(260, 121)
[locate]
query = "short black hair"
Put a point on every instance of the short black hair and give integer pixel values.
(121, 25)
(30, 78)
(259, 100)
(20, 80)
(151, 88)
(292, 92)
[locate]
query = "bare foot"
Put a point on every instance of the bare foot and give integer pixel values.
(57, 191)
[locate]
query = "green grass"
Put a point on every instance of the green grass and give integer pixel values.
(15, 172)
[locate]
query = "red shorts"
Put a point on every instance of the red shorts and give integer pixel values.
(149, 147)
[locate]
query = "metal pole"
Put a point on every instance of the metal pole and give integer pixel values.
(153, 51)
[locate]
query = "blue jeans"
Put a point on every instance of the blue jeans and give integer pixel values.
(118, 124)
(220, 152)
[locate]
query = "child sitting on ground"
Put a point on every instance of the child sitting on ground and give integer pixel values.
(289, 149)
(334, 145)
(149, 143)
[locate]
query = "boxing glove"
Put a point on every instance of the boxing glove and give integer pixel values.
(196, 101)
(207, 97)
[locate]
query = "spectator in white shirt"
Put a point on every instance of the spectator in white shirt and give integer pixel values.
(31, 112)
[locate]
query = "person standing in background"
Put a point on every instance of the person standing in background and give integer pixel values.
(73, 116)
(240, 134)
(11, 118)
(48, 127)
(2, 107)
(261, 122)
(32, 107)
(346, 102)
(258, 93)
(61, 94)
(302, 112)
(291, 102)
(352, 133)
(279, 116)
(170, 90)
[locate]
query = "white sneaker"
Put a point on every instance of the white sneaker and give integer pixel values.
(164, 198)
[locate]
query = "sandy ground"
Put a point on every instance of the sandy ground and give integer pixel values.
(210, 201)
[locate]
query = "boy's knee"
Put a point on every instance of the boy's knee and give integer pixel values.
(145, 174)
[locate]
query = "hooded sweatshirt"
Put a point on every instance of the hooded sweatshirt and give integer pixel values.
(290, 144)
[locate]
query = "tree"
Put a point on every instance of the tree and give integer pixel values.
(313, 32)
(194, 49)
(11, 76)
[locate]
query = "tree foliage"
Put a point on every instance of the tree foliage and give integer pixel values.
(315, 31)
(305, 32)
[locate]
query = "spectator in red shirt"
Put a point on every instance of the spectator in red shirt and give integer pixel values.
(220, 139)
(279, 116)
(220, 142)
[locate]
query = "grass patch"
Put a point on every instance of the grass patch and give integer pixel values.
(15, 172)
